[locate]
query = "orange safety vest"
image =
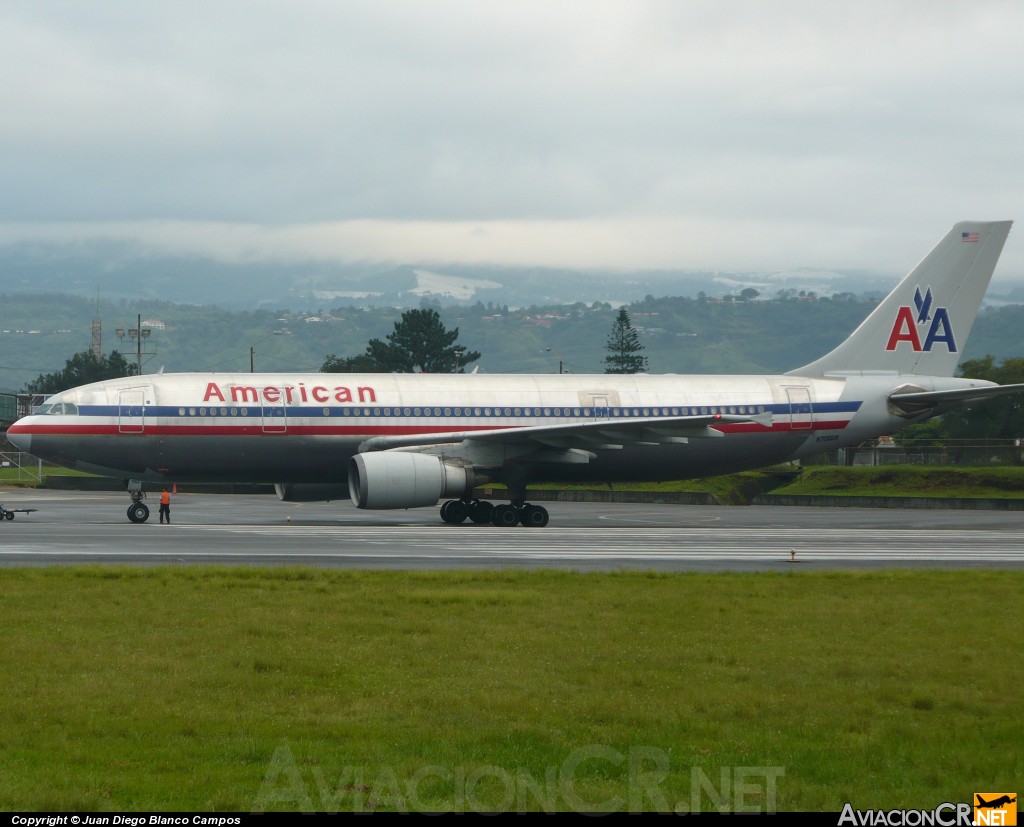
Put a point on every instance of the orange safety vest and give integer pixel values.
(165, 498)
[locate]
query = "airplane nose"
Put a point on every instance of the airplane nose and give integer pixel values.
(19, 439)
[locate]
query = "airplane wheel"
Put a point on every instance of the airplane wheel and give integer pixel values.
(444, 509)
(481, 512)
(455, 513)
(505, 515)
(138, 512)
(534, 516)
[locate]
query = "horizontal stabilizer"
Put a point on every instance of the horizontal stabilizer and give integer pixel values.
(958, 395)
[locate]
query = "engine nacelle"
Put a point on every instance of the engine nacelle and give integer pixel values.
(310, 492)
(399, 479)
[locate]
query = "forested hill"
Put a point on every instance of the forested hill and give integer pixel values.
(681, 335)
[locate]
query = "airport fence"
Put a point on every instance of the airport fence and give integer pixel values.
(17, 466)
(968, 452)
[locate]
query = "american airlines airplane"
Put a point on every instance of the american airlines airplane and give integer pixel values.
(394, 441)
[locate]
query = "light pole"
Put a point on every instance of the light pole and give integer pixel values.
(550, 350)
(138, 333)
(458, 358)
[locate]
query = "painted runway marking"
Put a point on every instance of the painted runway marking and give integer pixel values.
(483, 543)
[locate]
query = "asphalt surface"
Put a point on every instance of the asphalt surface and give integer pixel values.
(82, 527)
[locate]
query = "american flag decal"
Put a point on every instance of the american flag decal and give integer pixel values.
(973, 237)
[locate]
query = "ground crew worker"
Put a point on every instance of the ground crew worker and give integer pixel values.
(165, 505)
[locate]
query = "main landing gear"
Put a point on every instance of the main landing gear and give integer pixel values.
(482, 512)
(138, 511)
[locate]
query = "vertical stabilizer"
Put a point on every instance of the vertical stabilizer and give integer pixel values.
(922, 326)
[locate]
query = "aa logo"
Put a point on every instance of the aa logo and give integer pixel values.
(920, 327)
(999, 809)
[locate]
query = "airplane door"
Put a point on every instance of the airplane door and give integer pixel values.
(599, 401)
(800, 410)
(274, 416)
(131, 411)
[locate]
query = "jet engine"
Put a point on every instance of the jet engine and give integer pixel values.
(398, 479)
(291, 492)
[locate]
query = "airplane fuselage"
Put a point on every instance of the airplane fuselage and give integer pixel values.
(304, 428)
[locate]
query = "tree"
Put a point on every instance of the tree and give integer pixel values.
(420, 341)
(349, 364)
(999, 418)
(81, 369)
(624, 347)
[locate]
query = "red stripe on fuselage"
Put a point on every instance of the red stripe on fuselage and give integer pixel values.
(250, 430)
(371, 430)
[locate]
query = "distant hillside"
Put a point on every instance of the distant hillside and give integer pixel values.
(38, 332)
(117, 270)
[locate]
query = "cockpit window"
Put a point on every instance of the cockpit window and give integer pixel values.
(56, 407)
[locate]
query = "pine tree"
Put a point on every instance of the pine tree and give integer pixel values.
(421, 341)
(624, 348)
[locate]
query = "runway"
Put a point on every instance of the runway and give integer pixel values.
(78, 527)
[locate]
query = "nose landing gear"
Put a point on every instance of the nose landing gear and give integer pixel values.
(138, 511)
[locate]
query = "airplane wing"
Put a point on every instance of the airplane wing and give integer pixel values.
(599, 434)
(959, 395)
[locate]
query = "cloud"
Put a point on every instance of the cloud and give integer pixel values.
(568, 133)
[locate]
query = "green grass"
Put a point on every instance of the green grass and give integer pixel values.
(240, 689)
(26, 476)
(1004, 482)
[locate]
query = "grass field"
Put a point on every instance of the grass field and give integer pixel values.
(1000, 482)
(291, 689)
(909, 481)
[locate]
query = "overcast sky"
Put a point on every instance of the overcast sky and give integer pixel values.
(684, 134)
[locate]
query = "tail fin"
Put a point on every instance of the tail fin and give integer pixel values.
(923, 324)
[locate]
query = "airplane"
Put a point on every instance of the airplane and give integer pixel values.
(996, 803)
(398, 441)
